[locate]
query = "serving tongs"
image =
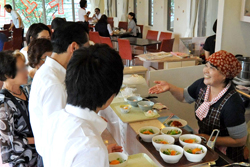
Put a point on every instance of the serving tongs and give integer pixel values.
(211, 143)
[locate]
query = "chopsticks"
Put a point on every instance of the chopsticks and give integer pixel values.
(169, 117)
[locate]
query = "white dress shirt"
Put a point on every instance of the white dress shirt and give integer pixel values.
(15, 20)
(48, 94)
(97, 16)
(73, 139)
(81, 13)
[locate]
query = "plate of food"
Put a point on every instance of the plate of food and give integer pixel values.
(179, 123)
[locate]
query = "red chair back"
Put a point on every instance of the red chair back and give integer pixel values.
(94, 36)
(17, 38)
(165, 35)
(8, 45)
(6, 26)
(125, 49)
(152, 35)
(106, 40)
(167, 45)
(111, 21)
(123, 25)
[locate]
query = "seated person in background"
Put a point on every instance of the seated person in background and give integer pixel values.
(103, 27)
(38, 50)
(48, 92)
(209, 45)
(73, 134)
(97, 16)
(3, 39)
(57, 22)
(17, 142)
(36, 30)
(132, 24)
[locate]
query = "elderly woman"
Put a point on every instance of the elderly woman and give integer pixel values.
(17, 142)
(217, 104)
(37, 54)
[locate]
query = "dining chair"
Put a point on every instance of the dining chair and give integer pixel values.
(111, 21)
(165, 35)
(94, 36)
(123, 25)
(141, 33)
(17, 38)
(106, 40)
(125, 51)
(6, 32)
(166, 46)
(8, 45)
(6, 26)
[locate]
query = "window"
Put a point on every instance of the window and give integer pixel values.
(170, 21)
(151, 12)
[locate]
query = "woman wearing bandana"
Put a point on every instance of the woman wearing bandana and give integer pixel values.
(217, 104)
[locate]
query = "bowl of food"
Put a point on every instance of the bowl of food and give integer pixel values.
(171, 153)
(172, 131)
(151, 113)
(133, 100)
(189, 139)
(194, 152)
(179, 123)
(145, 105)
(118, 159)
(161, 140)
(125, 109)
(148, 132)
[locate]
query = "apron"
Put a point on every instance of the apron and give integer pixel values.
(212, 121)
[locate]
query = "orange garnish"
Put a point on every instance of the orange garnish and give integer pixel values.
(114, 162)
(147, 132)
(173, 152)
(196, 150)
(189, 141)
(163, 142)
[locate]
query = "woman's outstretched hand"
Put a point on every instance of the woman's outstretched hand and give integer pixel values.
(161, 86)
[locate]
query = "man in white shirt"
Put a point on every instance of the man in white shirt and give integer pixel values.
(73, 137)
(97, 14)
(48, 92)
(16, 19)
(82, 14)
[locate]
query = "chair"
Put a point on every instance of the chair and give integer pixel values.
(17, 38)
(167, 45)
(123, 25)
(106, 40)
(153, 36)
(8, 45)
(49, 27)
(125, 51)
(111, 22)
(6, 32)
(141, 27)
(165, 35)
(6, 26)
(94, 36)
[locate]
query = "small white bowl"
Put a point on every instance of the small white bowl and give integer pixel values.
(114, 156)
(167, 129)
(194, 157)
(189, 136)
(171, 158)
(169, 139)
(125, 108)
(148, 138)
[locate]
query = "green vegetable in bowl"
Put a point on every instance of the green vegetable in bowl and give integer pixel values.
(173, 132)
(170, 152)
(147, 131)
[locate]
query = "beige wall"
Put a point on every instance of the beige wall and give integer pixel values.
(233, 35)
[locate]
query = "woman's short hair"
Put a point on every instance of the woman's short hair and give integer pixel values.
(103, 19)
(93, 75)
(34, 30)
(82, 3)
(36, 49)
(8, 67)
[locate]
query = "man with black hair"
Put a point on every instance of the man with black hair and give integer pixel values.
(48, 88)
(16, 19)
(97, 14)
(57, 22)
(73, 137)
(82, 14)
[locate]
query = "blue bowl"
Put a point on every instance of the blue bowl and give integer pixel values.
(133, 100)
(146, 105)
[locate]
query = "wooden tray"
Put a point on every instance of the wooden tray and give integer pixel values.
(211, 155)
(135, 114)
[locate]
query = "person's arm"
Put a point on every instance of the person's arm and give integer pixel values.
(207, 54)
(12, 145)
(11, 26)
(227, 141)
(163, 86)
(109, 29)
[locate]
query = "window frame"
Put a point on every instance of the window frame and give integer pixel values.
(150, 12)
(169, 16)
